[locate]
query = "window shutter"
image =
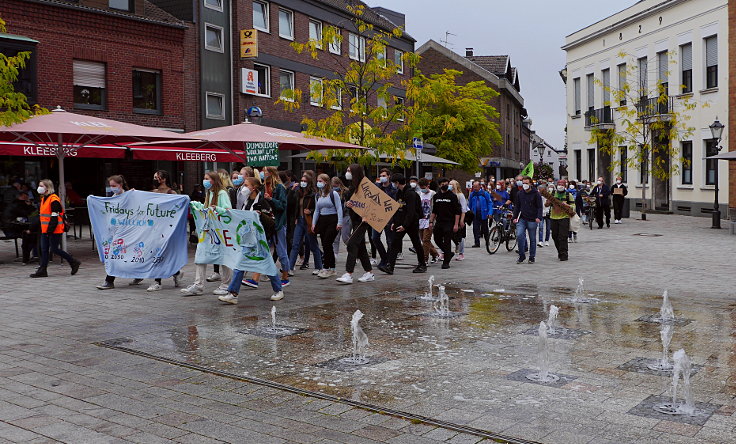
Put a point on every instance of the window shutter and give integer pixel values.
(576, 86)
(687, 56)
(711, 51)
(90, 74)
(606, 87)
(662, 62)
(591, 90)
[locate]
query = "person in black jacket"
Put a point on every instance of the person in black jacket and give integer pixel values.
(356, 244)
(527, 215)
(602, 203)
(618, 199)
(445, 220)
(405, 221)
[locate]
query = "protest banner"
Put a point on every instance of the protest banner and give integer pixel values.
(140, 234)
(373, 205)
(235, 239)
(262, 154)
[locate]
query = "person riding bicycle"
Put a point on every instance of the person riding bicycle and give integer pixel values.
(500, 198)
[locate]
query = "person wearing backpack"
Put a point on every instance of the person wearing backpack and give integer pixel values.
(405, 221)
(327, 222)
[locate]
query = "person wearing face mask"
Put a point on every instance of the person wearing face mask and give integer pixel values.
(51, 214)
(414, 183)
(459, 237)
(425, 233)
(619, 192)
(545, 227)
(302, 234)
(602, 204)
(118, 186)
(327, 222)
(387, 187)
(516, 187)
(559, 214)
(527, 215)
(405, 222)
(445, 220)
(481, 204)
(356, 244)
(287, 178)
(339, 187)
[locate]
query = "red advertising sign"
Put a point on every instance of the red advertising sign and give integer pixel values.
(186, 154)
(94, 151)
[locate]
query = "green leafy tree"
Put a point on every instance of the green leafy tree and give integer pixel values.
(648, 123)
(14, 107)
(543, 171)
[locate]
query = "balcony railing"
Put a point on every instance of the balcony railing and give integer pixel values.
(655, 106)
(599, 117)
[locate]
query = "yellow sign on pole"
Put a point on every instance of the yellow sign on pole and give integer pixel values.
(248, 43)
(375, 206)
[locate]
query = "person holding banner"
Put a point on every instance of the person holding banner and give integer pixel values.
(118, 186)
(217, 199)
(327, 222)
(162, 178)
(275, 193)
(302, 234)
(356, 243)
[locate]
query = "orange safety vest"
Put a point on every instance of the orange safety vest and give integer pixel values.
(45, 214)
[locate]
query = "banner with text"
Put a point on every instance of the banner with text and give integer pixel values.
(373, 205)
(235, 239)
(262, 154)
(140, 234)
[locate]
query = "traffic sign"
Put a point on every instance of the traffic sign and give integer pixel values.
(417, 143)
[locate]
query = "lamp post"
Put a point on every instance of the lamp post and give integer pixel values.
(716, 130)
(540, 149)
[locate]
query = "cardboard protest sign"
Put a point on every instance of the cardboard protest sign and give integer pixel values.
(373, 205)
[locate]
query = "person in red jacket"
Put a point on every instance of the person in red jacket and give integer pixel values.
(52, 226)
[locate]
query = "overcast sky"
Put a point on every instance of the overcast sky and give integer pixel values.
(530, 31)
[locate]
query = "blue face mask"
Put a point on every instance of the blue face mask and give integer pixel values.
(239, 181)
(320, 185)
(206, 184)
(425, 190)
(263, 176)
(449, 187)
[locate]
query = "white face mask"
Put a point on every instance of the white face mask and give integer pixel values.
(572, 187)
(600, 182)
(526, 186)
(303, 184)
(498, 187)
(560, 188)
(383, 179)
(41, 190)
(618, 182)
(413, 184)
(349, 175)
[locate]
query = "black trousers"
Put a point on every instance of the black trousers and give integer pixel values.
(618, 207)
(327, 227)
(398, 238)
(357, 250)
(560, 231)
(600, 210)
(443, 238)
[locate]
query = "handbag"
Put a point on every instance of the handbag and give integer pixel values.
(575, 223)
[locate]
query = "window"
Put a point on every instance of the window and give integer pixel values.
(356, 47)
(590, 82)
(399, 61)
(260, 16)
(286, 82)
(591, 164)
(315, 91)
(662, 71)
(687, 162)
(579, 164)
(215, 105)
(147, 91)
(338, 98)
(606, 89)
(122, 5)
(264, 79)
(624, 161)
(622, 83)
(686, 67)
(381, 102)
(576, 95)
(399, 101)
(89, 85)
(286, 24)
(644, 166)
(643, 79)
(381, 56)
(213, 4)
(213, 38)
(335, 43)
(315, 32)
(711, 62)
(711, 149)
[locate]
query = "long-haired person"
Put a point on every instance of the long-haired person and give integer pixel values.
(162, 178)
(275, 193)
(327, 222)
(356, 244)
(459, 236)
(344, 235)
(118, 186)
(219, 200)
(305, 214)
(52, 226)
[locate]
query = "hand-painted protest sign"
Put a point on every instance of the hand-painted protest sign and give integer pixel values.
(375, 206)
(140, 234)
(262, 154)
(235, 239)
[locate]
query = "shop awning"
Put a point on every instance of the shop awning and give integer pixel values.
(730, 155)
(41, 150)
(153, 152)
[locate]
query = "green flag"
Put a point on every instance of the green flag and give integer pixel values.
(528, 170)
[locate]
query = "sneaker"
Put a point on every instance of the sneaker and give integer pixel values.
(520, 260)
(291, 272)
(531, 260)
(75, 266)
(230, 298)
(331, 272)
(386, 269)
(420, 269)
(178, 278)
(316, 272)
(346, 278)
(374, 261)
(214, 277)
(323, 274)
(546, 244)
(433, 260)
(460, 257)
(284, 283)
(277, 296)
(445, 265)
(304, 267)
(367, 277)
(540, 244)
(250, 283)
(220, 292)
(106, 286)
(400, 256)
(192, 290)
(299, 261)
(135, 282)
(154, 287)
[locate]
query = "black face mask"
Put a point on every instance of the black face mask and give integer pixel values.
(156, 183)
(443, 188)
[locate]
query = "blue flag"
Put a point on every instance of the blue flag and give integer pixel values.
(140, 234)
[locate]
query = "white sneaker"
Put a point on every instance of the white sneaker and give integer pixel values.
(299, 261)
(331, 272)
(540, 244)
(192, 290)
(220, 292)
(323, 273)
(316, 272)
(214, 277)
(178, 278)
(374, 261)
(546, 244)
(367, 277)
(346, 278)
(230, 298)
(277, 296)
(400, 256)
(135, 282)
(154, 287)
(291, 272)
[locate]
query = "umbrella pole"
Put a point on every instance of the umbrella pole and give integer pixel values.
(62, 187)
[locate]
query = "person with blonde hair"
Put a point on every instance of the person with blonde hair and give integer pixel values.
(327, 222)
(51, 214)
(459, 236)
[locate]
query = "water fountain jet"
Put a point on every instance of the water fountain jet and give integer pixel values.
(682, 368)
(543, 375)
(360, 342)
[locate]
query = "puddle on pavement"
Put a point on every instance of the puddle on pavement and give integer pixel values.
(429, 365)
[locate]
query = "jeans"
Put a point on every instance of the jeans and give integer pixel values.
(522, 228)
(50, 242)
(300, 235)
(238, 277)
(480, 227)
(279, 241)
(545, 227)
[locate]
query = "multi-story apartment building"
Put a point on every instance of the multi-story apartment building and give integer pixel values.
(681, 45)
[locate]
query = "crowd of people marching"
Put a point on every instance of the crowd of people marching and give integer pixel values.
(309, 218)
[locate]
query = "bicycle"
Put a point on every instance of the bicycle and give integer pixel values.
(502, 231)
(589, 209)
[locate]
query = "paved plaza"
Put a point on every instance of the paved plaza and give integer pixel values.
(81, 365)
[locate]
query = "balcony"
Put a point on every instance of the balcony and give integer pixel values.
(601, 118)
(655, 108)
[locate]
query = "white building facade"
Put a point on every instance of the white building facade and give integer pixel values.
(684, 45)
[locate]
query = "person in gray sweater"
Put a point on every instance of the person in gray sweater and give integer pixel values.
(327, 222)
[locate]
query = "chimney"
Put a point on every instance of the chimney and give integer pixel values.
(468, 52)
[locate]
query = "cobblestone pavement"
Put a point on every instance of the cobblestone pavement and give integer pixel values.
(56, 384)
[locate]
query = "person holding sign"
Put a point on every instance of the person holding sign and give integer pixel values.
(603, 206)
(327, 222)
(445, 220)
(619, 191)
(118, 186)
(356, 243)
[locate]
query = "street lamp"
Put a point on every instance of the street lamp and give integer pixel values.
(540, 149)
(716, 130)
